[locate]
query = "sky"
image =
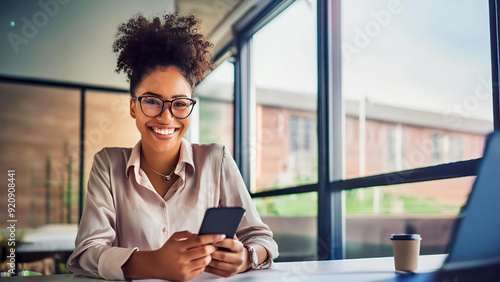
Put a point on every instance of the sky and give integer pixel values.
(426, 55)
(430, 55)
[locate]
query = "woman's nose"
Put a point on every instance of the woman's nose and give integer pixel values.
(166, 115)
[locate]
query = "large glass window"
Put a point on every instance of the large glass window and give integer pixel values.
(284, 73)
(216, 111)
(427, 208)
(416, 83)
(416, 86)
(107, 124)
(283, 129)
(40, 140)
(293, 220)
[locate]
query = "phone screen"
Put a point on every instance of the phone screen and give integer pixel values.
(222, 221)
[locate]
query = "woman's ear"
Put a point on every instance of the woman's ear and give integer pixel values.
(132, 108)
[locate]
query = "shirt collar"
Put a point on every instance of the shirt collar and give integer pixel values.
(186, 156)
(135, 159)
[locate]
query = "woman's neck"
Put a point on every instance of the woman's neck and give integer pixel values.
(161, 162)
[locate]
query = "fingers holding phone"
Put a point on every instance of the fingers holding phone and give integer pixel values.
(189, 254)
(229, 258)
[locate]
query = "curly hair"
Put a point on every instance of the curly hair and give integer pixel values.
(143, 45)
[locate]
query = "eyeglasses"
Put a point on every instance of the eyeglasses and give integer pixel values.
(152, 107)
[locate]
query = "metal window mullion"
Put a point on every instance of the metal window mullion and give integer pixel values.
(337, 128)
(325, 200)
(82, 153)
(242, 108)
(494, 10)
(62, 84)
(438, 172)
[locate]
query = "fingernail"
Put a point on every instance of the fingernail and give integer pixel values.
(222, 236)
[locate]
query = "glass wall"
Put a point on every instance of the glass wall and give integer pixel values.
(416, 86)
(216, 106)
(40, 140)
(107, 124)
(283, 129)
(427, 208)
(284, 214)
(285, 79)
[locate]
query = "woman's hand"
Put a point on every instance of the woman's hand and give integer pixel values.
(229, 261)
(183, 257)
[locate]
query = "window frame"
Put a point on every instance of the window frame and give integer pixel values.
(331, 180)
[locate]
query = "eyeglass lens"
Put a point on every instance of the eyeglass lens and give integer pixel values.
(180, 108)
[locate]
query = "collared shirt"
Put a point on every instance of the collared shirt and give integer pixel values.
(123, 212)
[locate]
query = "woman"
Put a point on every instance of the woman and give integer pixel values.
(145, 204)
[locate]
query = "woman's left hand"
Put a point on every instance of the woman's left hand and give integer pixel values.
(229, 261)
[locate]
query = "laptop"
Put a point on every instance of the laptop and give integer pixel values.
(474, 247)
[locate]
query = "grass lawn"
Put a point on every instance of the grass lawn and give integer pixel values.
(306, 204)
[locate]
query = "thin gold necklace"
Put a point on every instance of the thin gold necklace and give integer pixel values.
(166, 177)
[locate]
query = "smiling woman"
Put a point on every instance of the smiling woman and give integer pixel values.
(144, 204)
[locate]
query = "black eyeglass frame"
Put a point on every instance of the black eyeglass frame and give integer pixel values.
(163, 106)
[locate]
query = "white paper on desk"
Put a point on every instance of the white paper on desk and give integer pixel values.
(203, 277)
(278, 276)
(257, 275)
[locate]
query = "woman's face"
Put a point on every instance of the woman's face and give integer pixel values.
(164, 132)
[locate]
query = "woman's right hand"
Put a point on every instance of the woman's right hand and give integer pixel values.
(188, 254)
(183, 257)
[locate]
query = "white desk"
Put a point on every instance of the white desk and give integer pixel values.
(50, 238)
(373, 269)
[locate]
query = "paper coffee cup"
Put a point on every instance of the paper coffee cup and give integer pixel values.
(406, 249)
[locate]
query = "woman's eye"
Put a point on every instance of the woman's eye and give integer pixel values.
(180, 104)
(151, 101)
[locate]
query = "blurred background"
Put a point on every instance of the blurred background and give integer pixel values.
(412, 91)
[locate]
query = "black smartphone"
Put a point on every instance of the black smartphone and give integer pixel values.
(222, 221)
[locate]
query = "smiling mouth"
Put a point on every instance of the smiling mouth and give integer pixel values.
(163, 131)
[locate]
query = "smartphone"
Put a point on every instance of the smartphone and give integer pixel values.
(222, 221)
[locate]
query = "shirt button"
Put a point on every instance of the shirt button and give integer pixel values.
(163, 205)
(164, 229)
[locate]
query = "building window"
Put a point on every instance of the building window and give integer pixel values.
(294, 133)
(436, 147)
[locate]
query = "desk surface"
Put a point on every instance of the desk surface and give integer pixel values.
(373, 269)
(50, 238)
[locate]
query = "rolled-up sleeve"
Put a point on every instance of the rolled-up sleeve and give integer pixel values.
(235, 193)
(94, 254)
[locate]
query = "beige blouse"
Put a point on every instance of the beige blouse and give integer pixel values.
(124, 213)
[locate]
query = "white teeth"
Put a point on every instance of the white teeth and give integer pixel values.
(164, 131)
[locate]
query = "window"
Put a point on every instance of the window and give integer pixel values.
(406, 64)
(216, 106)
(417, 93)
(285, 79)
(428, 208)
(396, 140)
(308, 129)
(283, 214)
(107, 124)
(456, 148)
(294, 133)
(40, 141)
(436, 148)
